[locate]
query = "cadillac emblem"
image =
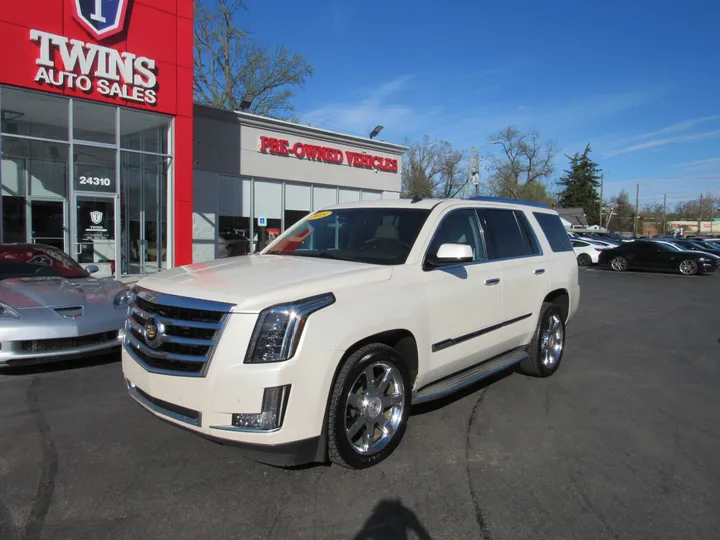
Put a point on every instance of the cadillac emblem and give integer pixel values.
(153, 330)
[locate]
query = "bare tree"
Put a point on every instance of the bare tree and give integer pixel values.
(525, 165)
(432, 168)
(229, 66)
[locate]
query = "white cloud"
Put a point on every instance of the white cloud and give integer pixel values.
(664, 142)
(700, 164)
(360, 117)
(679, 126)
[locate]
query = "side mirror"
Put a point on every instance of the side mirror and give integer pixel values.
(455, 253)
(92, 269)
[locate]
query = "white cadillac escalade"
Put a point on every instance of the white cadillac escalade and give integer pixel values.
(316, 348)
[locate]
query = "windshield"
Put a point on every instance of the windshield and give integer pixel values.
(368, 235)
(18, 261)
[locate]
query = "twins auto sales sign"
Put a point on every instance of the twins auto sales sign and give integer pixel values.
(94, 69)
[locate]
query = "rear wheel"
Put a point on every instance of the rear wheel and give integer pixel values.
(619, 264)
(369, 407)
(688, 267)
(548, 344)
(584, 259)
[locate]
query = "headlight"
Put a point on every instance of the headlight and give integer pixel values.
(124, 299)
(6, 312)
(279, 328)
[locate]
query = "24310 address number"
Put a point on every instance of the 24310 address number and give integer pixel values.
(94, 181)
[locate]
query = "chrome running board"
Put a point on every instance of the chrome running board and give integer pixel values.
(455, 382)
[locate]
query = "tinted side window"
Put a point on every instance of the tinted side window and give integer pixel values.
(502, 234)
(458, 227)
(529, 238)
(554, 231)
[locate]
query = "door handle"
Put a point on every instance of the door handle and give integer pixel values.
(493, 281)
(539, 271)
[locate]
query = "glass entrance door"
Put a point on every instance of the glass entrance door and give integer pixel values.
(96, 232)
(47, 223)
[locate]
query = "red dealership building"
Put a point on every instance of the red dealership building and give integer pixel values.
(106, 156)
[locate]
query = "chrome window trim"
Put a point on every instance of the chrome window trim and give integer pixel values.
(437, 228)
(482, 236)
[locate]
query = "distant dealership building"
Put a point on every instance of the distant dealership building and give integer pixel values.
(105, 155)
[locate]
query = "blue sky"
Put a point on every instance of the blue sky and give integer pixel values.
(638, 80)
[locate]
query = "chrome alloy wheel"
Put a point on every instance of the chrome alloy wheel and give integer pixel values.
(551, 346)
(374, 408)
(619, 264)
(688, 267)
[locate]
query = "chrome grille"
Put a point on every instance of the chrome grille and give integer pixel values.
(188, 331)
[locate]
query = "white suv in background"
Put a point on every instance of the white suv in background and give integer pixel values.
(318, 347)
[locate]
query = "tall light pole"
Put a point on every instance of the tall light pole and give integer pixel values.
(470, 165)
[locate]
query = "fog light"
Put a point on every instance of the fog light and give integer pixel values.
(273, 411)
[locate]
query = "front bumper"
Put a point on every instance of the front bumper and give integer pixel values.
(207, 404)
(35, 350)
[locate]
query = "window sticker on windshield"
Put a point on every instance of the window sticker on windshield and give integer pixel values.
(320, 215)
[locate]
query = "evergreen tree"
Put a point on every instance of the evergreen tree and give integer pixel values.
(580, 184)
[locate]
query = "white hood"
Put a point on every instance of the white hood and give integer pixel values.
(257, 281)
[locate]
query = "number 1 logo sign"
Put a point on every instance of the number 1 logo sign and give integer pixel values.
(101, 18)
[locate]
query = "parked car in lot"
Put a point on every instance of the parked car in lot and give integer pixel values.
(587, 253)
(232, 244)
(317, 347)
(656, 256)
(51, 308)
(687, 245)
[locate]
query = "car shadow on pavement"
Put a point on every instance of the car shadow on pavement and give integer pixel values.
(391, 520)
(61, 365)
(436, 404)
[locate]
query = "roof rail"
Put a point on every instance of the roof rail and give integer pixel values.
(510, 201)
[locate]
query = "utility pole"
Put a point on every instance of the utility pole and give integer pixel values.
(700, 216)
(602, 187)
(664, 212)
(469, 178)
(477, 168)
(637, 209)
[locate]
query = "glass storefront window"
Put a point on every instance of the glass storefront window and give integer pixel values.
(234, 217)
(144, 216)
(143, 131)
(38, 168)
(323, 196)
(297, 203)
(371, 195)
(33, 114)
(348, 195)
(268, 202)
(94, 169)
(93, 122)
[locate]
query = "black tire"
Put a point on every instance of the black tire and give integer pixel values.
(340, 449)
(619, 264)
(689, 267)
(584, 259)
(533, 365)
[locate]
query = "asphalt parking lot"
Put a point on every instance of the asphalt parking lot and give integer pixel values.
(623, 442)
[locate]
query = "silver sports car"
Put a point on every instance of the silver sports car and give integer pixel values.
(51, 308)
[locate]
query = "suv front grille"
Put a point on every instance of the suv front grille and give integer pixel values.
(187, 331)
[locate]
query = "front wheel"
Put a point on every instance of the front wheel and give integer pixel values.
(548, 343)
(619, 264)
(688, 267)
(369, 407)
